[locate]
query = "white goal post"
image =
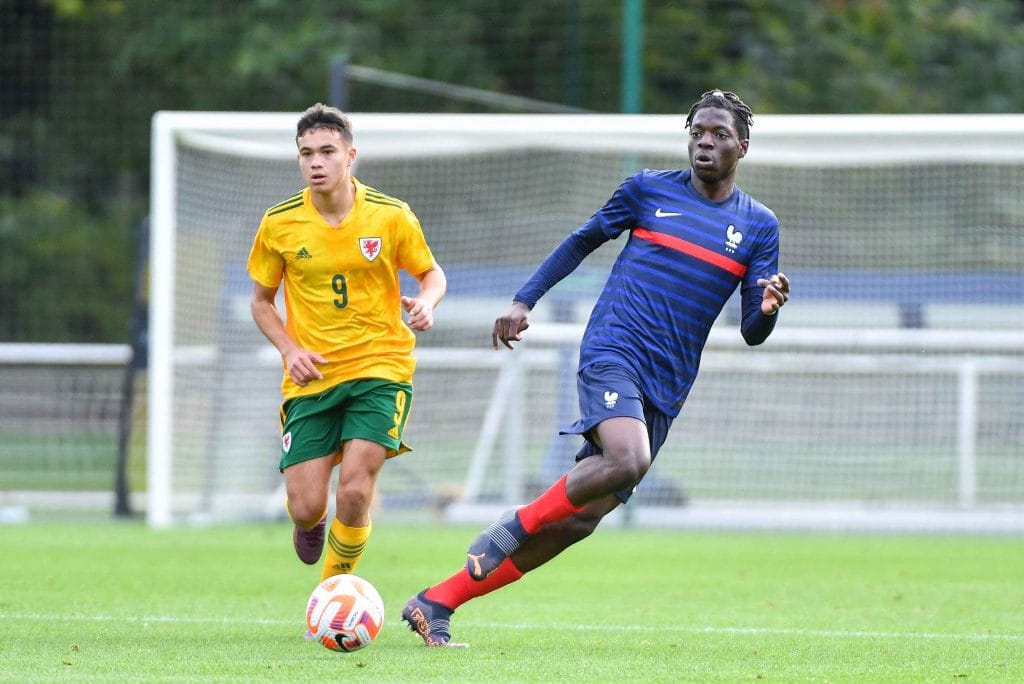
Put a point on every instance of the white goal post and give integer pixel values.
(898, 360)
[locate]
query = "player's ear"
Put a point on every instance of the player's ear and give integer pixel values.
(744, 144)
(351, 156)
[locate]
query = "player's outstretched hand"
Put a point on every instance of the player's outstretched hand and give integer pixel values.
(776, 293)
(421, 313)
(510, 327)
(301, 365)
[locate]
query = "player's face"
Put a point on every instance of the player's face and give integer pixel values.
(715, 146)
(325, 159)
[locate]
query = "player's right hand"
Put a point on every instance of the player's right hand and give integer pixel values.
(510, 327)
(301, 365)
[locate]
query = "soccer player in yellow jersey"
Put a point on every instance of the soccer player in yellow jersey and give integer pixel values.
(347, 347)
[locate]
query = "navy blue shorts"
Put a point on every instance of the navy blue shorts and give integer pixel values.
(609, 391)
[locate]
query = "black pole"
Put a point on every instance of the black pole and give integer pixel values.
(337, 85)
(137, 361)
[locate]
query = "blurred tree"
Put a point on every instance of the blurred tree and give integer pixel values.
(842, 56)
(81, 79)
(65, 276)
(25, 27)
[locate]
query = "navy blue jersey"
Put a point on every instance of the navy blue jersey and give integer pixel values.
(684, 257)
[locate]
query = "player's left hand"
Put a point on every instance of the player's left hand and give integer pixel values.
(776, 293)
(421, 313)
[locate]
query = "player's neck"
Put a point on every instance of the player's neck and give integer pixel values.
(718, 191)
(335, 204)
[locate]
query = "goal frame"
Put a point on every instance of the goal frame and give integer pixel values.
(780, 139)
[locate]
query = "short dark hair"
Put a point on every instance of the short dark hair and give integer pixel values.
(743, 117)
(322, 116)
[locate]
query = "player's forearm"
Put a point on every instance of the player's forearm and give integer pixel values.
(562, 261)
(757, 326)
(433, 285)
(268, 320)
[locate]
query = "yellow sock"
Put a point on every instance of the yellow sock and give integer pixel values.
(344, 548)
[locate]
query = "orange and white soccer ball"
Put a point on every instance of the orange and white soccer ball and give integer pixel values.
(345, 613)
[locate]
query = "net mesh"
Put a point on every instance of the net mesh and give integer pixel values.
(927, 244)
(58, 425)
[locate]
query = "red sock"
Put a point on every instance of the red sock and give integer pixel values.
(550, 506)
(460, 587)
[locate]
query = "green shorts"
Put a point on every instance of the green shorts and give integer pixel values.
(317, 425)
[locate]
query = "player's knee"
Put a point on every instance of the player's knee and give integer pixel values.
(626, 468)
(306, 511)
(354, 497)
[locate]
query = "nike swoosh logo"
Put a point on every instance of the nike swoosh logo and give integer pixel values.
(662, 214)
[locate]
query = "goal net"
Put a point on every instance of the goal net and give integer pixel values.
(62, 407)
(892, 389)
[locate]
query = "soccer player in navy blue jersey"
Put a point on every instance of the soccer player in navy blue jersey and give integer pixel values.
(693, 237)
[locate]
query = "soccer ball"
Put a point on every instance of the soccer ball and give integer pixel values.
(345, 613)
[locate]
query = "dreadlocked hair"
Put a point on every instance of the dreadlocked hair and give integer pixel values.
(742, 116)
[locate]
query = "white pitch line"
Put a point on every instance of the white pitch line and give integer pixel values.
(684, 629)
(769, 631)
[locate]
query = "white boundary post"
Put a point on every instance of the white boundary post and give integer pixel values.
(968, 432)
(160, 432)
(492, 426)
(512, 487)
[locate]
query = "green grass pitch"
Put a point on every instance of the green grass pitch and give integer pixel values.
(115, 602)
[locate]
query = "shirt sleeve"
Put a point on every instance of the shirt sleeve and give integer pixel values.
(414, 254)
(617, 215)
(265, 264)
(755, 326)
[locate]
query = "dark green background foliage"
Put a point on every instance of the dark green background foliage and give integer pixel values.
(81, 79)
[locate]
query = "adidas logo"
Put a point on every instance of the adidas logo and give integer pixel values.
(303, 254)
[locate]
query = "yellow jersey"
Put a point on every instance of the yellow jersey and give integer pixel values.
(341, 284)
